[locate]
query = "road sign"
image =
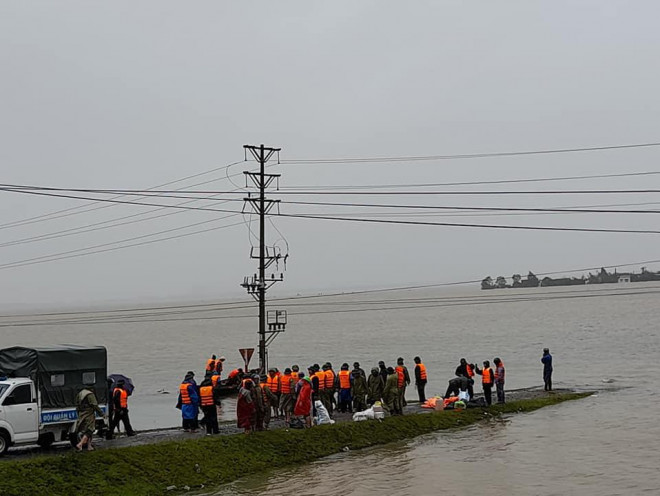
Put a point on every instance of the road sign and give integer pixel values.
(246, 353)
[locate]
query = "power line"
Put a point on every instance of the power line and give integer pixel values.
(418, 158)
(81, 251)
(477, 226)
(67, 212)
(474, 183)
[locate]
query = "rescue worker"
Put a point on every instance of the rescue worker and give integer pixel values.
(404, 380)
(246, 407)
(269, 400)
(210, 364)
(295, 370)
(189, 402)
(219, 365)
(382, 371)
(467, 370)
(499, 379)
(260, 407)
(207, 401)
(420, 379)
(358, 390)
(456, 384)
(318, 383)
(375, 387)
(329, 391)
(87, 407)
(235, 376)
(287, 385)
(391, 395)
(356, 366)
(120, 410)
(217, 394)
(303, 406)
(546, 360)
(487, 381)
(273, 383)
(344, 389)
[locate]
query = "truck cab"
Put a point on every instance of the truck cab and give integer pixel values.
(19, 413)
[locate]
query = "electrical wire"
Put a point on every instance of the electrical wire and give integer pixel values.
(417, 158)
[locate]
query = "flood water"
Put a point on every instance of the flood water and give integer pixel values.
(605, 339)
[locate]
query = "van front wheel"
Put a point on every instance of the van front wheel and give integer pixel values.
(4, 443)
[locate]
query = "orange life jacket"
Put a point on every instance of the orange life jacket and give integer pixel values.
(233, 373)
(185, 397)
(286, 384)
(344, 379)
(329, 379)
(470, 372)
(123, 397)
(487, 376)
(215, 379)
(321, 377)
(273, 383)
(263, 392)
(422, 371)
(206, 394)
(210, 365)
(402, 376)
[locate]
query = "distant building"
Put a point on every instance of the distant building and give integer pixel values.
(624, 278)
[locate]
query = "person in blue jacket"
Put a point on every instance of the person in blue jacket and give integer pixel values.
(189, 402)
(546, 360)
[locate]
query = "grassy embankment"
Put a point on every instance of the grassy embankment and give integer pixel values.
(211, 461)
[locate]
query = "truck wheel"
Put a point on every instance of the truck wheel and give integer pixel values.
(46, 440)
(4, 443)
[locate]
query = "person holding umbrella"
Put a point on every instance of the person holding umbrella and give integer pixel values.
(120, 409)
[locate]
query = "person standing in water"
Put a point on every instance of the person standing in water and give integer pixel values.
(546, 360)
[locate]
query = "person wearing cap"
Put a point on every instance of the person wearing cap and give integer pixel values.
(219, 365)
(189, 402)
(120, 410)
(546, 360)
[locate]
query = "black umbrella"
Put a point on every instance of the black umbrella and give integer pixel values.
(128, 383)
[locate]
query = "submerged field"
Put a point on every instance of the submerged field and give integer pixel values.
(175, 467)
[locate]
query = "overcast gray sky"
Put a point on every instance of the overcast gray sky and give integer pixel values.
(133, 94)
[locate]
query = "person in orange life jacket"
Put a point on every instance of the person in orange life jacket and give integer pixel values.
(499, 379)
(420, 379)
(287, 385)
(314, 380)
(273, 383)
(404, 380)
(120, 410)
(217, 395)
(487, 381)
(465, 369)
(208, 400)
(189, 402)
(328, 394)
(345, 383)
(219, 365)
(210, 364)
(319, 384)
(235, 376)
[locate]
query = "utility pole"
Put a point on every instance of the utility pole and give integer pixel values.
(258, 284)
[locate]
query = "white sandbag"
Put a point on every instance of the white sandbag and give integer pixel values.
(322, 416)
(463, 396)
(367, 414)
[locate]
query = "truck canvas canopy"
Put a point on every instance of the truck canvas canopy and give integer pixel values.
(59, 372)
